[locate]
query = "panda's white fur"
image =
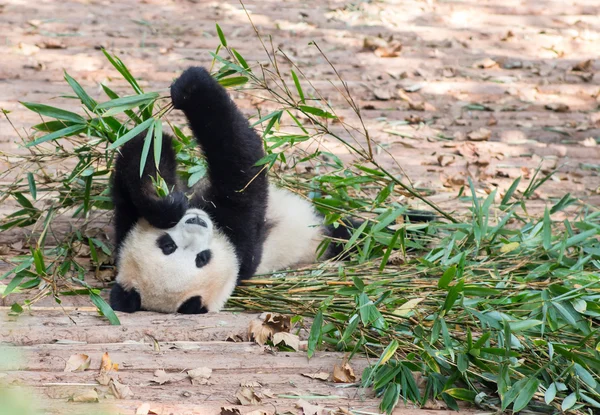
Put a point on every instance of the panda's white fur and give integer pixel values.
(165, 282)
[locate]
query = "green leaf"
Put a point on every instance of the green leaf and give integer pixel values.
(585, 376)
(550, 394)
(511, 190)
(513, 392)
(80, 92)
(132, 133)
(233, 81)
(569, 402)
(32, 187)
(241, 60)
(547, 231)
(221, 35)
(146, 149)
(526, 394)
(38, 259)
(462, 394)
(14, 283)
(453, 294)
(53, 112)
(298, 87)
(388, 353)
(314, 337)
(316, 111)
(462, 362)
(16, 308)
(349, 331)
(447, 278)
(23, 201)
(522, 325)
(65, 132)
(120, 66)
(118, 105)
(390, 398)
(51, 126)
(104, 309)
(158, 142)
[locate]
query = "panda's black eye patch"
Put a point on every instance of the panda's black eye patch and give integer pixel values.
(203, 258)
(166, 244)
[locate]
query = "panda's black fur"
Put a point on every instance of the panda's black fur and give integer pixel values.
(232, 209)
(231, 149)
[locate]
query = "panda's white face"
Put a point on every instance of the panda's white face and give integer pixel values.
(169, 266)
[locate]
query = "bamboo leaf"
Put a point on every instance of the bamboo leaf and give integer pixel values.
(525, 395)
(298, 87)
(221, 36)
(314, 338)
(316, 111)
(54, 112)
(158, 142)
(146, 148)
(65, 132)
(132, 133)
(85, 99)
(104, 309)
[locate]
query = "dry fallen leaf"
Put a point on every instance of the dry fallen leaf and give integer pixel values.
(161, 377)
(144, 409)
(288, 339)
(451, 181)
(343, 374)
(200, 375)
(318, 375)
(88, 395)
(229, 411)
(486, 63)
(589, 142)
(107, 370)
(51, 44)
(257, 412)
(383, 93)
(77, 363)
(406, 309)
(483, 134)
(262, 331)
(584, 66)
(310, 409)
(247, 396)
(250, 384)
(119, 390)
(391, 51)
(557, 107)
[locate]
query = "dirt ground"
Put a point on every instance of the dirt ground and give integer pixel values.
(451, 89)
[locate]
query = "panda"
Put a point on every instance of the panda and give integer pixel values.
(180, 254)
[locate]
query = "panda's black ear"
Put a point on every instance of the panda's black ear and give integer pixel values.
(123, 300)
(192, 305)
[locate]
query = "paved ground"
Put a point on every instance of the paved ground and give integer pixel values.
(528, 64)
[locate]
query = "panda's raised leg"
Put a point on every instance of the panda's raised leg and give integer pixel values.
(237, 197)
(134, 196)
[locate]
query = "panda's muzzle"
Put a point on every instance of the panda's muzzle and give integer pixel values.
(196, 220)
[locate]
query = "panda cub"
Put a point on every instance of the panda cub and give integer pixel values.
(186, 254)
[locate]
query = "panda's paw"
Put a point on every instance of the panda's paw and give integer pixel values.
(123, 300)
(195, 84)
(168, 210)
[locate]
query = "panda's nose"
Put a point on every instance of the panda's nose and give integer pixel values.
(196, 221)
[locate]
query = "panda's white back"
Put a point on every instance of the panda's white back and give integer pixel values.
(295, 231)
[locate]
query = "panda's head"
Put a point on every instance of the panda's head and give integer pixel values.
(169, 266)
